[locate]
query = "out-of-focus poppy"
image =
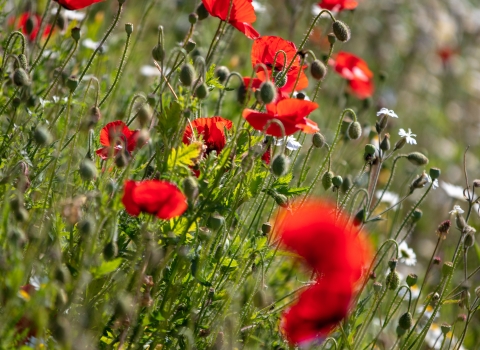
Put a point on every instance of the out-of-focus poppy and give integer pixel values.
(291, 112)
(264, 51)
(212, 131)
(76, 4)
(446, 54)
(160, 198)
(29, 24)
(356, 71)
(242, 14)
(116, 136)
(338, 5)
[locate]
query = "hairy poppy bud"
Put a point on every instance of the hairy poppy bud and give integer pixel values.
(29, 25)
(354, 130)
(370, 149)
(341, 31)
(190, 188)
(242, 94)
(266, 228)
(192, 18)
(42, 136)
(202, 12)
(187, 74)
(215, 222)
(327, 178)
(268, 92)
(121, 159)
(110, 251)
(359, 217)
(222, 74)
(144, 115)
(405, 320)
(280, 78)
(281, 200)
(23, 61)
(435, 173)
(201, 91)
(417, 158)
(247, 163)
(385, 144)
(412, 279)
(417, 214)
(447, 268)
(280, 165)
(347, 183)
(75, 33)
(337, 181)
(85, 226)
(72, 83)
(318, 70)
(158, 53)
(21, 78)
(393, 280)
(88, 170)
(129, 28)
(142, 138)
(318, 140)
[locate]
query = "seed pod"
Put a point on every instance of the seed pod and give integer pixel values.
(405, 321)
(72, 83)
(300, 96)
(447, 268)
(268, 92)
(192, 18)
(202, 12)
(392, 264)
(318, 140)
(281, 200)
(318, 70)
(129, 28)
(445, 327)
(187, 74)
(400, 331)
(21, 78)
(337, 181)
(190, 188)
(88, 170)
(280, 165)
(75, 33)
(331, 39)
(341, 31)
(412, 279)
(158, 53)
(201, 91)
(417, 158)
(327, 178)
(435, 174)
(190, 46)
(266, 228)
(370, 149)
(347, 183)
(417, 214)
(393, 280)
(215, 222)
(354, 130)
(469, 240)
(42, 136)
(222, 73)
(377, 287)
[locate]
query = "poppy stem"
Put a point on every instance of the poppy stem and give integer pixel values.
(215, 40)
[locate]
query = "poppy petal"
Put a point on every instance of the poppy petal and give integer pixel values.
(130, 206)
(76, 4)
(246, 29)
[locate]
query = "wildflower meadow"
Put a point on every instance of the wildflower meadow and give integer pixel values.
(238, 174)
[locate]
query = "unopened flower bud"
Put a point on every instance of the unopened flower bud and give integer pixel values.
(318, 140)
(23, 61)
(354, 130)
(341, 31)
(392, 264)
(268, 92)
(469, 240)
(242, 94)
(460, 221)
(377, 287)
(280, 165)
(16, 102)
(281, 200)
(437, 260)
(331, 39)
(142, 137)
(385, 144)
(95, 115)
(202, 12)
(215, 222)
(21, 78)
(347, 183)
(190, 46)
(359, 217)
(121, 159)
(129, 28)
(85, 226)
(42, 136)
(370, 149)
(462, 318)
(247, 163)
(327, 178)
(280, 78)
(417, 215)
(318, 70)
(201, 91)
(110, 251)
(75, 33)
(393, 280)
(187, 74)
(405, 320)
(144, 115)
(435, 173)
(447, 268)
(88, 170)
(417, 158)
(412, 279)
(192, 18)
(222, 74)
(190, 188)
(337, 181)
(400, 143)
(381, 124)
(266, 228)
(158, 53)
(72, 83)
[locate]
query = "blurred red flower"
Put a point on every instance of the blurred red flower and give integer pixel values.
(338, 255)
(356, 71)
(160, 198)
(76, 4)
(212, 131)
(338, 5)
(264, 51)
(291, 112)
(116, 136)
(26, 20)
(242, 14)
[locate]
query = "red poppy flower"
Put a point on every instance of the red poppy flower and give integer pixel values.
(338, 5)
(264, 51)
(76, 4)
(160, 198)
(291, 112)
(118, 136)
(356, 71)
(242, 14)
(212, 131)
(35, 20)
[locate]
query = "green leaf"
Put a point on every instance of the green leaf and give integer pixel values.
(106, 267)
(184, 155)
(283, 181)
(168, 121)
(292, 191)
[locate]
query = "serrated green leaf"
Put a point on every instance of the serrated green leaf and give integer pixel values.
(168, 120)
(106, 267)
(184, 155)
(283, 181)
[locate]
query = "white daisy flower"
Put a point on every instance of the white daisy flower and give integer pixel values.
(434, 338)
(456, 210)
(409, 137)
(387, 112)
(407, 255)
(452, 190)
(292, 143)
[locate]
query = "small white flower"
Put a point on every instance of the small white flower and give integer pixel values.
(93, 45)
(456, 210)
(292, 143)
(452, 190)
(258, 7)
(408, 136)
(149, 71)
(387, 112)
(435, 182)
(407, 255)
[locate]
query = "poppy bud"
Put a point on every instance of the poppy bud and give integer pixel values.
(21, 78)
(62, 275)
(142, 138)
(61, 331)
(381, 124)
(280, 165)
(242, 94)
(281, 200)
(392, 264)
(412, 279)
(337, 181)
(247, 163)
(85, 226)
(331, 39)
(158, 53)
(318, 70)
(280, 78)
(16, 102)
(359, 217)
(190, 188)
(110, 251)
(95, 115)
(385, 144)
(377, 287)
(393, 280)
(341, 31)
(129, 28)
(370, 149)
(447, 268)
(222, 73)
(75, 33)
(266, 228)
(300, 96)
(42, 136)
(202, 12)
(405, 320)
(192, 18)
(354, 130)
(23, 61)
(435, 173)
(268, 92)
(121, 159)
(327, 180)
(318, 140)
(190, 46)
(417, 214)
(187, 74)
(88, 170)
(201, 91)
(72, 83)
(417, 158)
(347, 183)
(215, 222)
(400, 331)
